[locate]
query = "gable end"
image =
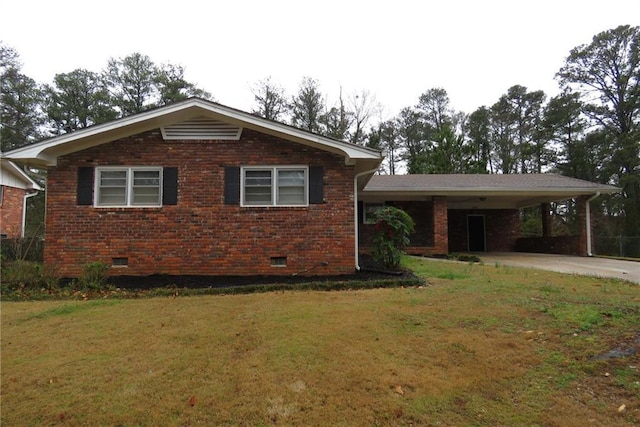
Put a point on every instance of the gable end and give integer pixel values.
(202, 128)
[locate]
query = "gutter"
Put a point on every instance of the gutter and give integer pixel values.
(588, 221)
(355, 213)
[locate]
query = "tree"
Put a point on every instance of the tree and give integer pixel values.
(503, 156)
(390, 143)
(385, 137)
(172, 87)
(411, 135)
(308, 106)
(271, 100)
(606, 74)
(363, 105)
(132, 83)
(77, 100)
(516, 124)
(337, 121)
(478, 131)
(564, 126)
(21, 117)
(434, 107)
(449, 153)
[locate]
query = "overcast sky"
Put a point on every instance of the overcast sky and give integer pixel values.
(475, 49)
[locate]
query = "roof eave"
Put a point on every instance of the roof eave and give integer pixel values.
(45, 153)
(30, 183)
(488, 191)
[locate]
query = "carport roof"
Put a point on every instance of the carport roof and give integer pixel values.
(489, 191)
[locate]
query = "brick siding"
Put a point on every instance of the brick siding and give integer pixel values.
(502, 229)
(201, 235)
(11, 211)
(430, 230)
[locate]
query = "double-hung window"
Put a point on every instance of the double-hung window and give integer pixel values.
(275, 186)
(369, 212)
(128, 186)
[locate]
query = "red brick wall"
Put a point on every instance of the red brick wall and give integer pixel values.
(11, 211)
(441, 226)
(422, 215)
(566, 245)
(502, 228)
(581, 203)
(201, 235)
(430, 231)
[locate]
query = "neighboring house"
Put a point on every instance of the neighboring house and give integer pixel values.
(203, 189)
(15, 188)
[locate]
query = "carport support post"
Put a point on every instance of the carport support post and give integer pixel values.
(440, 225)
(584, 221)
(545, 210)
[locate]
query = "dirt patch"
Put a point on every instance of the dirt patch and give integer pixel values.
(623, 350)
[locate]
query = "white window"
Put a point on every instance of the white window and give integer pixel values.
(275, 186)
(369, 210)
(128, 187)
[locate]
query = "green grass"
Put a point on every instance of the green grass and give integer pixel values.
(479, 345)
(68, 309)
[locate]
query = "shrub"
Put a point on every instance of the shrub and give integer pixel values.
(390, 236)
(22, 249)
(94, 275)
(29, 275)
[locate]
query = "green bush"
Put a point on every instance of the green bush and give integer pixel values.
(94, 275)
(390, 236)
(29, 275)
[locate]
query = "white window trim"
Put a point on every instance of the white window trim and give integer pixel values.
(128, 192)
(366, 220)
(274, 185)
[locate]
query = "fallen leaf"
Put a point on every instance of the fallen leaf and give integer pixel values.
(193, 401)
(399, 390)
(622, 408)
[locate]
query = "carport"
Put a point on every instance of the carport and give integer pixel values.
(480, 212)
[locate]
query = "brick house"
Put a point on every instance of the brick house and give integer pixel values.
(199, 188)
(15, 187)
(203, 189)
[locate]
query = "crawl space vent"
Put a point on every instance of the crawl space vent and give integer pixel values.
(202, 128)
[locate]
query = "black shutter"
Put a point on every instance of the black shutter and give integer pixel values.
(316, 189)
(170, 186)
(84, 190)
(231, 185)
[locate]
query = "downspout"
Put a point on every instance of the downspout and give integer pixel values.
(355, 212)
(588, 209)
(24, 211)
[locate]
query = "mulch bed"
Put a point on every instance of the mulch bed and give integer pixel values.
(370, 272)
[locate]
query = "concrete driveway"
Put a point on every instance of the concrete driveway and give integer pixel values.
(590, 266)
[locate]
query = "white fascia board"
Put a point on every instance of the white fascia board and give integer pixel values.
(14, 169)
(46, 152)
(351, 151)
(490, 191)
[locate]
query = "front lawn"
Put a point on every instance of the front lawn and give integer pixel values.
(480, 345)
